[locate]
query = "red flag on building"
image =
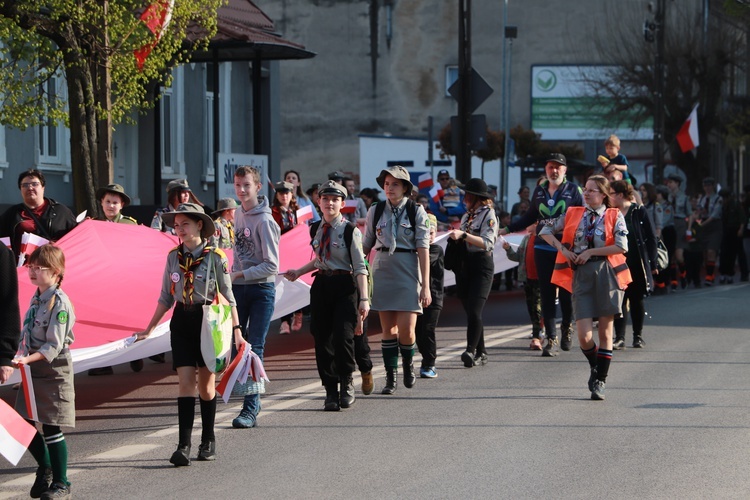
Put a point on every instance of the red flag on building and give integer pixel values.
(156, 17)
(687, 137)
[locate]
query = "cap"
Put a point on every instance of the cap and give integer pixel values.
(225, 204)
(194, 209)
(116, 189)
(443, 171)
(674, 177)
(334, 176)
(709, 181)
(283, 186)
(558, 158)
(397, 172)
(332, 188)
(181, 184)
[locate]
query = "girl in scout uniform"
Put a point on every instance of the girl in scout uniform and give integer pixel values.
(47, 333)
(184, 283)
(284, 212)
(224, 213)
(338, 301)
(478, 230)
(590, 264)
(400, 271)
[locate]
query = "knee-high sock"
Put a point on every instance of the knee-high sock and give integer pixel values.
(590, 355)
(390, 353)
(603, 359)
(407, 353)
(185, 418)
(208, 417)
(58, 454)
(39, 451)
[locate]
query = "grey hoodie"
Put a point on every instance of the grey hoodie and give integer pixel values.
(256, 247)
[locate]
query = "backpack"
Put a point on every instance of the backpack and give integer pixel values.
(348, 236)
(411, 213)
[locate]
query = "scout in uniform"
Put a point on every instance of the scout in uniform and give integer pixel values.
(178, 192)
(46, 335)
(184, 284)
(224, 213)
(339, 300)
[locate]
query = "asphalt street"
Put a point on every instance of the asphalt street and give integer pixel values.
(675, 423)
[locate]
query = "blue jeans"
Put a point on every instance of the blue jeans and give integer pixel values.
(255, 304)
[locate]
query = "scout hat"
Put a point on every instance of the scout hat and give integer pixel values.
(225, 204)
(283, 186)
(477, 187)
(332, 188)
(558, 158)
(116, 189)
(398, 172)
(181, 184)
(194, 210)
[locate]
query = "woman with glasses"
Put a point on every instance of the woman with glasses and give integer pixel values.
(590, 265)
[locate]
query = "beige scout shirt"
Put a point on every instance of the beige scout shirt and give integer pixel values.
(484, 225)
(51, 328)
(407, 237)
(173, 280)
(341, 258)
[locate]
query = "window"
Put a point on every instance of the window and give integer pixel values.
(172, 133)
(451, 75)
(166, 130)
(208, 132)
(51, 134)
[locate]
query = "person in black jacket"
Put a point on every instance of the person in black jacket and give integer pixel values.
(550, 200)
(36, 215)
(428, 320)
(641, 260)
(10, 318)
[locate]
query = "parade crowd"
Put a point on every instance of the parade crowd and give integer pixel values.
(597, 249)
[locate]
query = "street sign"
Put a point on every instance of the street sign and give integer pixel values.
(479, 89)
(477, 132)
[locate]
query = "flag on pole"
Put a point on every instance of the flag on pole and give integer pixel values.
(425, 181)
(156, 17)
(29, 243)
(436, 193)
(687, 137)
(28, 393)
(15, 433)
(304, 214)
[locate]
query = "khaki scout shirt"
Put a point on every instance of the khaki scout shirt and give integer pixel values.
(580, 243)
(173, 280)
(407, 237)
(341, 258)
(50, 330)
(483, 225)
(224, 236)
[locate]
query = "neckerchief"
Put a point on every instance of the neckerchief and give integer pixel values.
(324, 251)
(187, 265)
(28, 325)
(592, 219)
(396, 213)
(230, 228)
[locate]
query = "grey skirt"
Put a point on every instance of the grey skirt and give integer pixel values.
(396, 282)
(680, 227)
(709, 236)
(596, 291)
(53, 390)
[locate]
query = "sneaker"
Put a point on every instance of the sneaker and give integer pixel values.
(550, 350)
(181, 456)
(41, 483)
(618, 344)
(245, 420)
(592, 379)
(207, 451)
(468, 359)
(57, 490)
(536, 345)
(368, 384)
(427, 372)
(566, 340)
(597, 394)
(481, 359)
(297, 321)
(638, 342)
(284, 328)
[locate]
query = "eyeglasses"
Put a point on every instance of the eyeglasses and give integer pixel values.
(27, 185)
(586, 190)
(443, 178)
(36, 269)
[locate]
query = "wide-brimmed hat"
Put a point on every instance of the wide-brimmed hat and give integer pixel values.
(398, 172)
(191, 209)
(181, 184)
(225, 204)
(477, 187)
(332, 188)
(558, 158)
(283, 186)
(116, 189)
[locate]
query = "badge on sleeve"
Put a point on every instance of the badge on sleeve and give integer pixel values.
(175, 277)
(62, 317)
(491, 222)
(225, 267)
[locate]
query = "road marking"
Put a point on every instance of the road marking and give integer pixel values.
(124, 451)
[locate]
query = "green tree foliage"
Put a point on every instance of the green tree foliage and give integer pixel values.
(90, 43)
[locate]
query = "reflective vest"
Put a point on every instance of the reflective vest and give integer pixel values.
(562, 276)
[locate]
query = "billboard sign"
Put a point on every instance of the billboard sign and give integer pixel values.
(565, 106)
(228, 164)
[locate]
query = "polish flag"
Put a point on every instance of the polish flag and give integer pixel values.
(349, 208)
(29, 243)
(15, 433)
(687, 137)
(436, 193)
(28, 393)
(156, 17)
(304, 214)
(425, 180)
(231, 374)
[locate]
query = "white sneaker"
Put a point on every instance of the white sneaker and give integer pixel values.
(284, 328)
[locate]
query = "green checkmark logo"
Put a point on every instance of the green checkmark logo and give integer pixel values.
(546, 80)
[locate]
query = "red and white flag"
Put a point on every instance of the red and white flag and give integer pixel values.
(156, 17)
(29, 243)
(349, 208)
(304, 214)
(15, 433)
(425, 180)
(28, 392)
(436, 193)
(687, 137)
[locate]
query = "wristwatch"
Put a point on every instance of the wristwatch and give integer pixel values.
(463, 236)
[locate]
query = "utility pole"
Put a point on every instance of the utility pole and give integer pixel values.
(463, 154)
(659, 21)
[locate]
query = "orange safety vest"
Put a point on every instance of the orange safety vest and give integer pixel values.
(562, 276)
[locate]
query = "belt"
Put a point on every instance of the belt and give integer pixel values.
(596, 258)
(328, 272)
(191, 307)
(408, 250)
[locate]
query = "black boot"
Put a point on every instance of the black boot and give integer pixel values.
(618, 344)
(332, 398)
(391, 374)
(409, 376)
(346, 392)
